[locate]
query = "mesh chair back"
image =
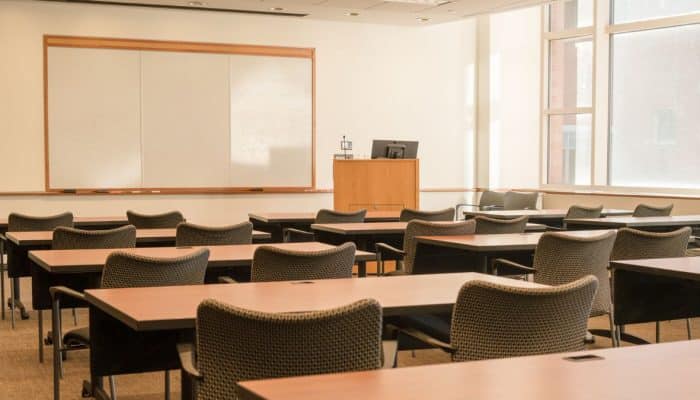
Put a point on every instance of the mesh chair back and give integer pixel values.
(130, 270)
(498, 321)
(325, 216)
(645, 210)
(274, 264)
(408, 214)
(491, 198)
(188, 234)
(584, 212)
(71, 238)
(561, 258)
(520, 200)
(235, 345)
(486, 225)
(155, 221)
(428, 228)
(632, 244)
(25, 223)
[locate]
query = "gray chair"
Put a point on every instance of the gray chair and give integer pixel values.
(584, 212)
(65, 238)
(25, 223)
(520, 200)
(234, 344)
(123, 270)
(633, 244)
(486, 225)
(418, 228)
(408, 214)
(645, 210)
(492, 320)
(188, 234)
(561, 258)
(155, 221)
(70, 238)
(275, 264)
(323, 216)
(489, 200)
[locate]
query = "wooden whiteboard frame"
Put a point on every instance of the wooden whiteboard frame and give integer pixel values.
(192, 47)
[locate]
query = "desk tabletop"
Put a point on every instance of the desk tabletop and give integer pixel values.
(658, 371)
(86, 221)
(679, 267)
(629, 221)
(34, 238)
(93, 260)
(499, 242)
(379, 228)
(175, 307)
(551, 213)
(309, 217)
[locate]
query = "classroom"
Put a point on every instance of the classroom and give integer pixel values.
(343, 199)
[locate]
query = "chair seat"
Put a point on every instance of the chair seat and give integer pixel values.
(77, 337)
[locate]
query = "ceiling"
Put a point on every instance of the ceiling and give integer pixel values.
(401, 12)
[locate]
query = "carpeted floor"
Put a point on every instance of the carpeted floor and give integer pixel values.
(22, 377)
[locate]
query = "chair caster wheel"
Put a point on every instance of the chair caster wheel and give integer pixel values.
(24, 314)
(48, 341)
(87, 390)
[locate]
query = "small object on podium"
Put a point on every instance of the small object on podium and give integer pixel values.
(345, 145)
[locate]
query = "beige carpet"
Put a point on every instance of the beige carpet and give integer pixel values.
(22, 377)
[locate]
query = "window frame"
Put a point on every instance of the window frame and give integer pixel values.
(602, 32)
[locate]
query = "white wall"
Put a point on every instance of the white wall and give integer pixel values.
(373, 81)
(514, 98)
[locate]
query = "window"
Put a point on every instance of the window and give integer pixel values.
(569, 109)
(641, 10)
(655, 107)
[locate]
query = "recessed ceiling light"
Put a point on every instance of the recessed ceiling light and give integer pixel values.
(197, 3)
(423, 19)
(352, 14)
(276, 9)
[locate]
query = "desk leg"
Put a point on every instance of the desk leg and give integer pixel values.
(2, 277)
(40, 325)
(362, 269)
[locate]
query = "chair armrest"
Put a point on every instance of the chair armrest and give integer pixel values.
(226, 279)
(427, 339)
(296, 235)
(503, 261)
(57, 291)
(186, 353)
(383, 248)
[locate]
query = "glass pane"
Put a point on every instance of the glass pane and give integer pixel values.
(654, 136)
(570, 149)
(570, 14)
(570, 73)
(639, 10)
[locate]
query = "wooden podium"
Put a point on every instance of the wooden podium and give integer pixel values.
(379, 184)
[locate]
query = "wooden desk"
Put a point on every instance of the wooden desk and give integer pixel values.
(126, 324)
(454, 252)
(276, 222)
(366, 234)
(552, 217)
(659, 289)
(644, 223)
(641, 373)
(165, 237)
(82, 269)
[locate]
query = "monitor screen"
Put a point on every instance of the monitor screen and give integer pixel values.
(394, 149)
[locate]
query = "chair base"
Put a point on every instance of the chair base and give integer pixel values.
(625, 337)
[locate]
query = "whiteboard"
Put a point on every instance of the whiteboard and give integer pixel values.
(94, 118)
(154, 119)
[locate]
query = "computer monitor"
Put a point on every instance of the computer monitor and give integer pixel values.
(394, 149)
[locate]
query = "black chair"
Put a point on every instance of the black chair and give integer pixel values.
(188, 234)
(408, 214)
(155, 221)
(489, 200)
